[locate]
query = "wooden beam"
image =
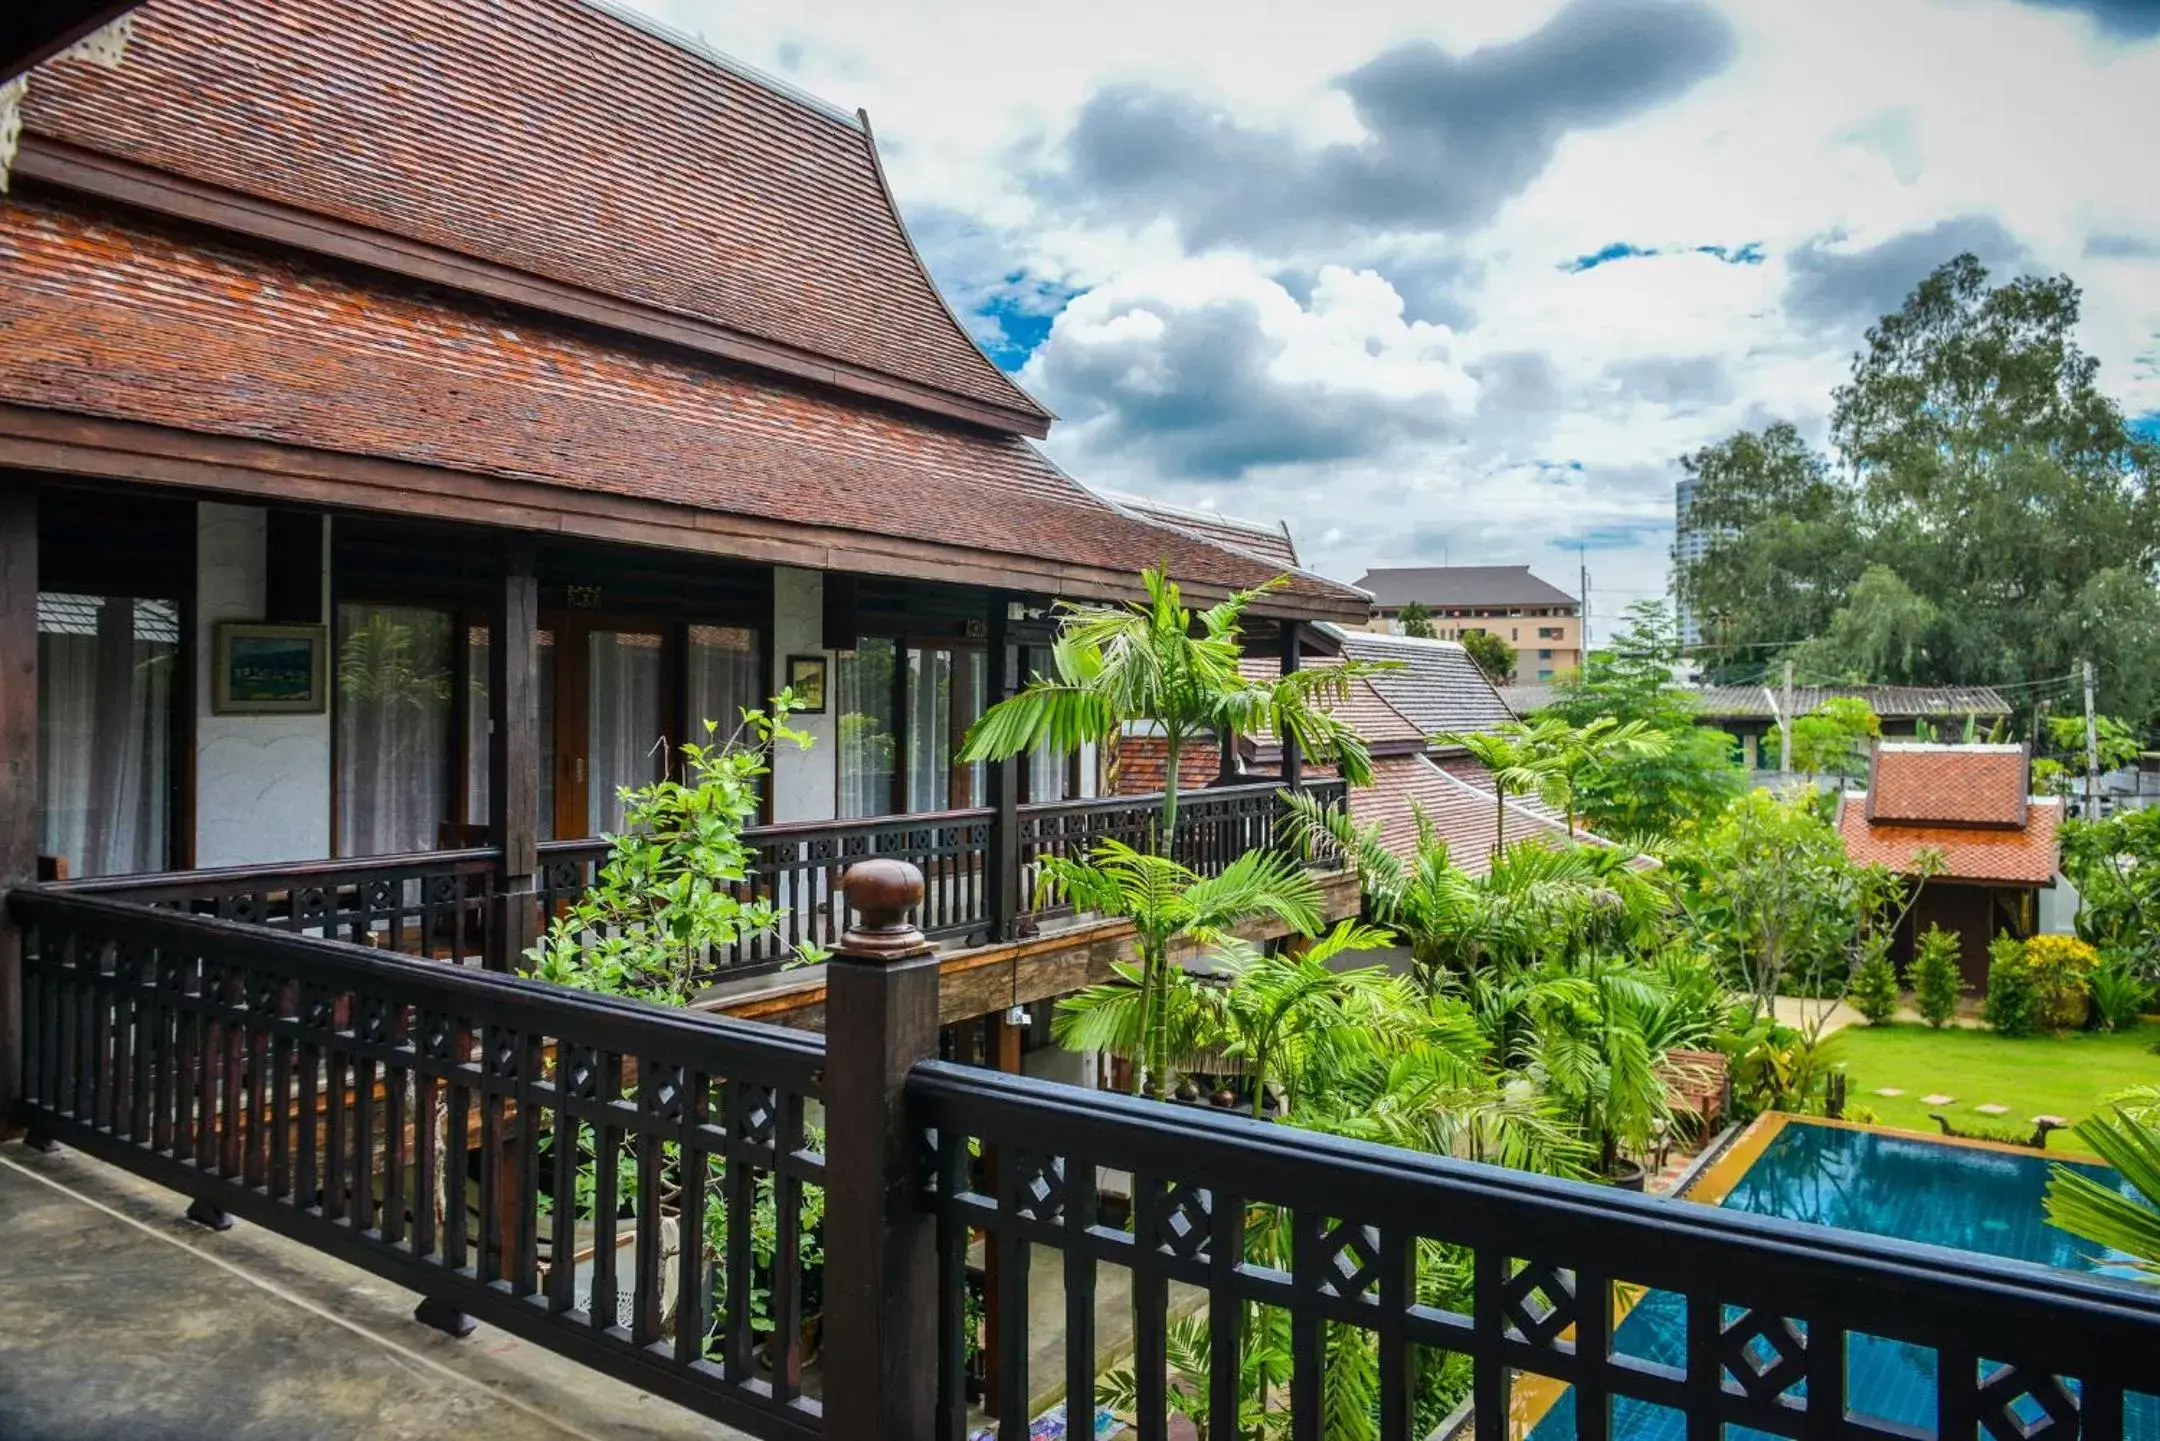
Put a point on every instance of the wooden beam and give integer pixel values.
(1001, 779)
(18, 765)
(32, 438)
(1293, 759)
(75, 168)
(514, 753)
(33, 31)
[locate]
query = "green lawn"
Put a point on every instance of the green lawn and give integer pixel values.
(2064, 1076)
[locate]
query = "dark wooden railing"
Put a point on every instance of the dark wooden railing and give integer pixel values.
(431, 1123)
(2019, 1351)
(438, 1125)
(439, 903)
(431, 903)
(798, 867)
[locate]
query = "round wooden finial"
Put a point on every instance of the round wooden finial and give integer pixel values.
(882, 892)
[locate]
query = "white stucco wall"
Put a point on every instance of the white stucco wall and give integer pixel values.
(262, 783)
(805, 782)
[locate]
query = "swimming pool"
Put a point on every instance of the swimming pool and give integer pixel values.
(1912, 1188)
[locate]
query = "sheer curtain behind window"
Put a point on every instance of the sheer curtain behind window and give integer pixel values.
(476, 732)
(862, 696)
(929, 731)
(393, 728)
(623, 741)
(105, 669)
(723, 672)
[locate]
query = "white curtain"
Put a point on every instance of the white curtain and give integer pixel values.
(393, 728)
(862, 693)
(929, 694)
(105, 670)
(624, 722)
(723, 678)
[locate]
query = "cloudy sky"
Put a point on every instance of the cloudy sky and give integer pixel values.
(1457, 281)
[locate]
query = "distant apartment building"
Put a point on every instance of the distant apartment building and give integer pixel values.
(1690, 543)
(1542, 621)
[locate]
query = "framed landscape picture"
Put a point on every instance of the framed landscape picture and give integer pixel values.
(269, 669)
(806, 677)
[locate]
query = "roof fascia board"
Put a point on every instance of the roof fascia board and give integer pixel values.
(65, 443)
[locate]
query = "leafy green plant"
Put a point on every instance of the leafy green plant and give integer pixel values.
(1168, 903)
(2012, 1005)
(1936, 977)
(1416, 620)
(2061, 968)
(1874, 991)
(1491, 655)
(668, 894)
(1829, 740)
(2103, 1215)
(1777, 1067)
(2119, 996)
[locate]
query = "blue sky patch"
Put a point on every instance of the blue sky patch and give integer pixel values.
(1751, 253)
(2147, 425)
(1014, 319)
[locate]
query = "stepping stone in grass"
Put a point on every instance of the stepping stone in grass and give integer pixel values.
(1991, 1109)
(1891, 1091)
(1938, 1100)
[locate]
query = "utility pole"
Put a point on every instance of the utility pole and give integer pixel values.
(1785, 720)
(1582, 580)
(2092, 750)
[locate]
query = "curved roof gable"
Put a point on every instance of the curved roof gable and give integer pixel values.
(551, 137)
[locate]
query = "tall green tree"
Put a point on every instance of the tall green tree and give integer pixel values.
(1989, 517)
(1416, 618)
(1493, 655)
(1655, 791)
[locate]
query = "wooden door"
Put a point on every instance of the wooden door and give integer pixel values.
(609, 692)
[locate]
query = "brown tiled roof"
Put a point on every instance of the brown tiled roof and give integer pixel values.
(1272, 543)
(549, 136)
(124, 318)
(1364, 708)
(2025, 855)
(1460, 813)
(1948, 785)
(1437, 685)
(1891, 702)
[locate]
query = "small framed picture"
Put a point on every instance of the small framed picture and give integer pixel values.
(269, 669)
(806, 677)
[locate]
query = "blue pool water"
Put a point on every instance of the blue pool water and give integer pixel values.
(1974, 1199)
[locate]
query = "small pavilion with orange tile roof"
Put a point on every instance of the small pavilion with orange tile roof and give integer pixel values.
(1971, 804)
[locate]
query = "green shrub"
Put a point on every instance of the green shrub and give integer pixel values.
(2013, 1005)
(2061, 968)
(1935, 976)
(1874, 992)
(2119, 996)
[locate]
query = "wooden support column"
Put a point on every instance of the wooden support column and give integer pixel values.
(18, 767)
(514, 755)
(1293, 761)
(1001, 781)
(881, 1017)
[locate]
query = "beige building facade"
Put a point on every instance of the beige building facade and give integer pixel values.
(1541, 621)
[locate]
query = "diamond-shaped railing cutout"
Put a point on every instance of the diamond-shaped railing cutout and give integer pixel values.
(756, 1111)
(437, 1037)
(375, 1019)
(243, 908)
(379, 895)
(1187, 1213)
(1765, 1353)
(503, 1054)
(2019, 1406)
(1039, 1187)
(577, 1074)
(1352, 1265)
(441, 889)
(311, 904)
(1539, 1302)
(667, 1090)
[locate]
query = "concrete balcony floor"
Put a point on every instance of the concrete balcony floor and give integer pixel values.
(119, 1318)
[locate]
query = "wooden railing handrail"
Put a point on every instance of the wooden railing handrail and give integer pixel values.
(469, 858)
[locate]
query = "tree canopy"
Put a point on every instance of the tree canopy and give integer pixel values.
(1987, 514)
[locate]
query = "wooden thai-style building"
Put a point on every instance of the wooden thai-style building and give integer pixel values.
(415, 419)
(556, 386)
